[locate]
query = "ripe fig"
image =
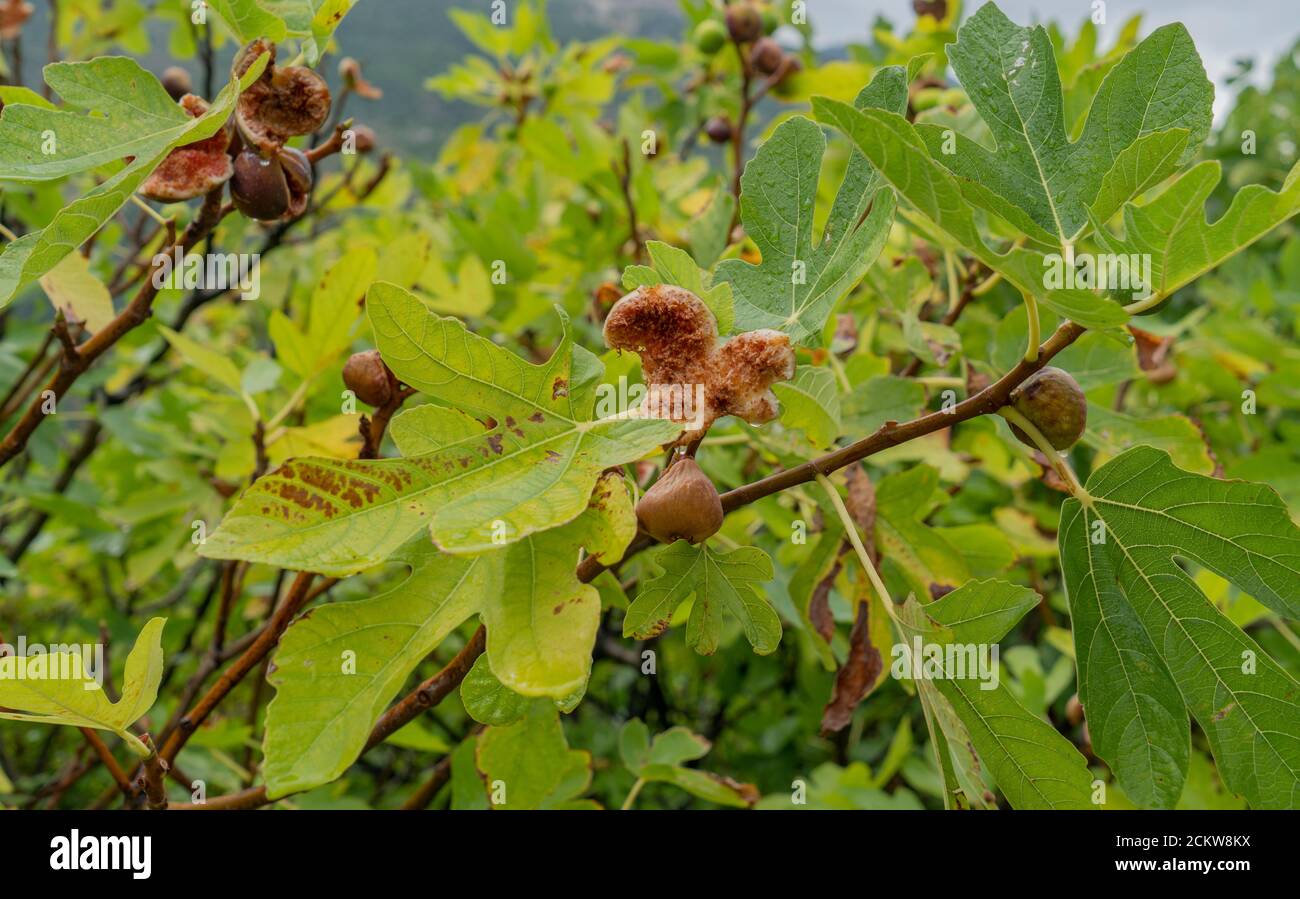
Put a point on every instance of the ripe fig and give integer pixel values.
(363, 139)
(1054, 403)
(744, 22)
(766, 55)
(259, 187)
(286, 101)
(719, 129)
(366, 375)
(709, 36)
(682, 505)
(176, 81)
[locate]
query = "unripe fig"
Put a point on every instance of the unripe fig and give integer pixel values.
(366, 375)
(682, 505)
(176, 81)
(1054, 403)
(766, 55)
(718, 129)
(709, 36)
(771, 21)
(744, 22)
(259, 187)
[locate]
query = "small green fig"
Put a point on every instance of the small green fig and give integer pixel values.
(709, 36)
(1054, 403)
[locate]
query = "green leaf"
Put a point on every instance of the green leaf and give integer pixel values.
(532, 470)
(982, 611)
(1175, 231)
(1113, 432)
(57, 688)
(1033, 765)
(1150, 513)
(73, 288)
(216, 365)
(897, 150)
(1011, 76)
(248, 20)
(529, 765)
(880, 399)
(109, 85)
(542, 625)
(719, 581)
(662, 761)
(811, 402)
(711, 232)
(338, 666)
(800, 280)
(487, 700)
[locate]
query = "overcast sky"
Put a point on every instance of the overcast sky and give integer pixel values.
(1223, 30)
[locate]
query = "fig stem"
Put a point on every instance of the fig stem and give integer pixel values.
(1057, 461)
(851, 529)
(1035, 331)
(632, 794)
(149, 210)
(950, 269)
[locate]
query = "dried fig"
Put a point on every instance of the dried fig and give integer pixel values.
(682, 505)
(286, 101)
(192, 170)
(1054, 403)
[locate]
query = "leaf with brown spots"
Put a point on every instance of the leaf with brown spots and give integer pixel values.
(475, 488)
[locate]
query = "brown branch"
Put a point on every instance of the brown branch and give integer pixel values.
(421, 798)
(230, 678)
(426, 696)
(891, 433)
(154, 777)
(430, 693)
(119, 776)
(130, 318)
(625, 183)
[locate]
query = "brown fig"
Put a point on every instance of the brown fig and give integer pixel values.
(766, 55)
(744, 22)
(298, 176)
(1054, 403)
(682, 505)
(259, 188)
(366, 375)
(718, 129)
(176, 81)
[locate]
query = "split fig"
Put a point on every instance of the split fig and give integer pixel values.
(682, 505)
(1054, 403)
